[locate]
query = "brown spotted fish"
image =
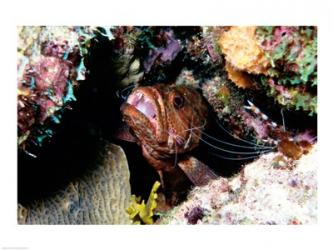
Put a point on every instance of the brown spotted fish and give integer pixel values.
(167, 121)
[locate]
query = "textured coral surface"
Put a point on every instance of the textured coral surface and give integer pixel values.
(285, 59)
(100, 197)
(242, 50)
(271, 190)
(50, 64)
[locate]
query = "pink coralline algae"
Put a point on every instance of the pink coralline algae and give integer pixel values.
(50, 63)
(292, 77)
(272, 190)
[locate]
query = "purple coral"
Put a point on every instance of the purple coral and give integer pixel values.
(165, 54)
(196, 213)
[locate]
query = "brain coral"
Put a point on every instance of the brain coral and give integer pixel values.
(100, 197)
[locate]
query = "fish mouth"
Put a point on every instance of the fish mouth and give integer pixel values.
(145, 105)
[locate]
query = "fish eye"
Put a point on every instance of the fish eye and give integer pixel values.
(178, 101)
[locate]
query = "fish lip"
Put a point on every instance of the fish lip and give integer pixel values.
(144, 103)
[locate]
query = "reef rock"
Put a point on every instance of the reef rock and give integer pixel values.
(50, 63)
(281, 59)
(100, 197)
(271, 190)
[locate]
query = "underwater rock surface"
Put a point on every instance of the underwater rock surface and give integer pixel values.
(50, 66)
(100, 197)
(271, 190)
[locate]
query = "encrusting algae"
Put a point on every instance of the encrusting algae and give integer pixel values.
(271, 190)
(50, 61)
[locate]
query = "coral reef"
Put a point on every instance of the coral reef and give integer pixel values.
(290, 50)
(240, 47)
(100, 197)
(271, 190)
(166, 53)
(123, 61)
(240, 78)
(50, 64)
(228, 101)
(284, 59)
(260, 84)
